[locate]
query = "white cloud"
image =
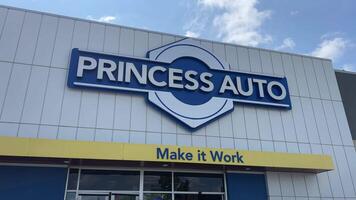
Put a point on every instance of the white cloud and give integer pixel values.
(192, 34)
(107, 19)
(348, 67)
(238, 21)
(294, 12)
(288, 43)
(331, 48)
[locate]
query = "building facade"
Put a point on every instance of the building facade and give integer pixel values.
(62, 142)
(346, 80)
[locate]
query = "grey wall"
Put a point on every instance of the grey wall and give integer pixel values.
(35, 101)
(347, 86)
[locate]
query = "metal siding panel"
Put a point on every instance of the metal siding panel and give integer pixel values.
(154, 118)
(112, 39)
(66, 133)
(29, 34)
(16, 92)
(3, 15)
(299, 122)
(311, 182)
(254, 145)
(169, 139)
(9, 129)
(251, 123)
(168, 125)
(96, 37)
(121, 136)
(141, 43)
(292, 147)
(290, 74)
(80, 35)
(288, 126)
(342, 123)
(227, 143)
(5, 72)
(48, 132)
(323, 178)
(63, 42)
(85, 134)
(280, 146)
(212, 128)
(126, 42)
(335, 182)
(231, 56)
(35, 95)
(309, 118)
(276, 125)
(321, 79)
(45, 42)
(264, 124)
(255, 60)
(138, 114)
(311, 77)
(241, 144)
(331, 81)
(88, 109)
(267, 146)
(277, 64)
(137, 137)
(299, 184)
(53, 97)
(238, 122)
(122, 112)
(11, 34)
(166, 39)
(266, 62)
(103, 135)
(332, 122)
(350, 156)
(106, 108)
(225, 126)
(300, 76)
(70, 107)
(198, 141)
(213, 142)
(28, 131)
(344, 173)
(321, 121)
(219, 51)
(273, 185)
(243, 59)
(153, 138)
(184, 140)
(286, 184)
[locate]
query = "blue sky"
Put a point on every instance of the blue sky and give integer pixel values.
(318, 27)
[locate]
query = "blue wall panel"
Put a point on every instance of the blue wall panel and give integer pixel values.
(246, 186)
(37, 183)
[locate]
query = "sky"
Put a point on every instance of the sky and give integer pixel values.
(319, 28)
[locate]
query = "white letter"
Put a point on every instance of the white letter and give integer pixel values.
(131, 68)
(173, 77)
(239, 86)
(204, 78)
(270, 92)
(151, 77)
(107, 70)
(120, 71)
(228, 85)
(82, 66)
(190, 79)
(260, 83)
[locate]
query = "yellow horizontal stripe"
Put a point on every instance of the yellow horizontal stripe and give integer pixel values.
(30, 147)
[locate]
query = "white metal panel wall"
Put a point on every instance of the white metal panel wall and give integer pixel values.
(35, 101)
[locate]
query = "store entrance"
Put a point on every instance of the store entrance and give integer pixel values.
(109, 196)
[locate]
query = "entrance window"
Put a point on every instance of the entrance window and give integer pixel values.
(89, 184)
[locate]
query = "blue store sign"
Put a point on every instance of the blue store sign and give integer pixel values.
(182, 78)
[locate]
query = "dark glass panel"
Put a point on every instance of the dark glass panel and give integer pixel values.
(198, 197)
(157, 197)
(157, 181)
(109, 180)
(198, 182)
(72, 179)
